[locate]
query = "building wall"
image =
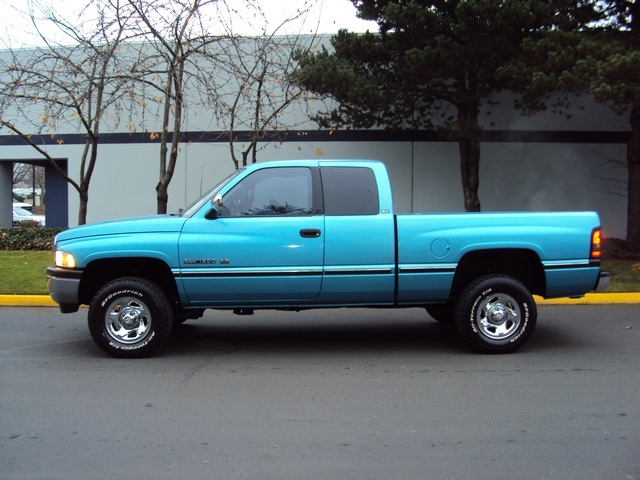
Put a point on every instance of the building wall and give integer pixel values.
(425, 175)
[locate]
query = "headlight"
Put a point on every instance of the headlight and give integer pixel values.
(65, 260)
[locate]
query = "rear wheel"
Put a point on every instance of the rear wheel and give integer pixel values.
(130, 317)
(495, 314)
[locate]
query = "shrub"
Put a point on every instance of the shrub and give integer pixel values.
(28, 238)
(616, 249)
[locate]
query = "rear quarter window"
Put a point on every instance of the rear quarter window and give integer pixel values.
(350, 191)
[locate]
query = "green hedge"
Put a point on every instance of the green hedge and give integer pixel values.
(28, 238)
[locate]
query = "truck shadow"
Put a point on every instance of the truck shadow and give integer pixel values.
(314, 334)
(324, 332)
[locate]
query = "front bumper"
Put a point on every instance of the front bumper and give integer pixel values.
(64, 286)
(603, 282)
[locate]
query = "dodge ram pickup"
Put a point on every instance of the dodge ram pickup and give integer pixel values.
(294, 235)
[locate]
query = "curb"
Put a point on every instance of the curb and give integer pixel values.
(588, 299)
(593, 299)
(27, 301)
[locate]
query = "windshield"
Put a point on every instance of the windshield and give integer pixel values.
(195, 206)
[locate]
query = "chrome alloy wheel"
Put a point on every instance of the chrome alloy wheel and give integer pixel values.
(127, 320)
(498, 316)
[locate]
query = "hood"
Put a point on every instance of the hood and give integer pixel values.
(151, 224)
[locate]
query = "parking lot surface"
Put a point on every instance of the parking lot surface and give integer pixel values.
(339, 394)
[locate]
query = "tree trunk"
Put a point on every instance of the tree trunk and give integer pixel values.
(470, 172)
(162, 188)
(633, 187)
(162, 195)
(162, 198)
(167, 169)
(83, 195)
(469, 146)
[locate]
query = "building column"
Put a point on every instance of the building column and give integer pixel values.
(56, 196)
(6, 194)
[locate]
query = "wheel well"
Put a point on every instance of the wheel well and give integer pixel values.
(523, 265)
(100, 272)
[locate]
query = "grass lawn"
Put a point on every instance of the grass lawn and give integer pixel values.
(625, 275)
(24, 273)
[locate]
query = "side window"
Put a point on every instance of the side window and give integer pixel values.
(272, 191)
(349, 191)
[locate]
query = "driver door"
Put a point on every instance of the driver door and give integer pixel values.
(265, 248)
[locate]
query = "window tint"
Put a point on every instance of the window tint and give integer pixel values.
(272, 191)
(349, 191)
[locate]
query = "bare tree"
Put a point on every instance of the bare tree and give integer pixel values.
(204, 64)
(258, 106)
(176, 33)
(32, 175)
(252, 105)
(22, 173)
(74, 84)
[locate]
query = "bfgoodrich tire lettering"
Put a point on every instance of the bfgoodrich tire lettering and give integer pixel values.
(495, 314)
(130, 317)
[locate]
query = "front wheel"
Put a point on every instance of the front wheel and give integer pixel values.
(495, 314)
(130, 318)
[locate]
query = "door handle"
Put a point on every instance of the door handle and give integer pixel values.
(310, 233)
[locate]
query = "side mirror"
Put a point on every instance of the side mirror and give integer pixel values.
(214, 211)
(212, 214)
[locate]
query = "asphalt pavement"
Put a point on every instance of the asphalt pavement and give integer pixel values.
(326, 394)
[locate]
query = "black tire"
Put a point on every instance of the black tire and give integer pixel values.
(495, 314)
(130, 318)
(443, 313)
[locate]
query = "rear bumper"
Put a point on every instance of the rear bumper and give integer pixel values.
(603, 282)
(64, 286)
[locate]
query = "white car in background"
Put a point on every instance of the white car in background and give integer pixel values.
(26, 206)
(22, 217)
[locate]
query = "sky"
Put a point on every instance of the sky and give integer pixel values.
(328, 15)
(332, 15)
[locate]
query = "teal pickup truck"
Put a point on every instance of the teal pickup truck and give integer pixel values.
(295, 235)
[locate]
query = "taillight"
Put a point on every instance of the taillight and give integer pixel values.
(596, 243)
